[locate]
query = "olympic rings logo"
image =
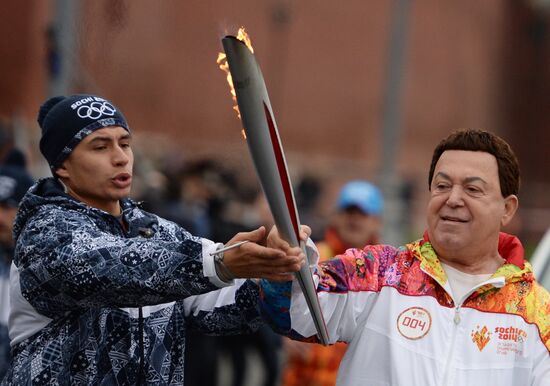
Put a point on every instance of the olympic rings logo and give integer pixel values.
(96, 110)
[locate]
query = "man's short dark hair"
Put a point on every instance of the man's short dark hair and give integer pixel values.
(480, 140)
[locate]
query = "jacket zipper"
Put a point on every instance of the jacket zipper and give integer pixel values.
(497, 282)
(450, 354)
(141, 374)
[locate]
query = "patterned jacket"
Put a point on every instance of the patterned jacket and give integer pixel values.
(393, 306)
(93, 304)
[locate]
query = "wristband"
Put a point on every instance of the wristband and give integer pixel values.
(224, 273)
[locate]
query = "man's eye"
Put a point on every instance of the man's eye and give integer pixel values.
(473, 189)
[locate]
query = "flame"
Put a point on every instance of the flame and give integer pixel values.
(224, 66)
(243, 37)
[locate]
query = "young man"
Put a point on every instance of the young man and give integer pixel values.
(103, 292)
(458, 307)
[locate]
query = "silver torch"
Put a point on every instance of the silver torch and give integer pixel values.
(268, 157)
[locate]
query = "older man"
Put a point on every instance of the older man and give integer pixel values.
(103, 292)
(458, 307)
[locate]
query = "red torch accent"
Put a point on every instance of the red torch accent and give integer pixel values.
(281, 166)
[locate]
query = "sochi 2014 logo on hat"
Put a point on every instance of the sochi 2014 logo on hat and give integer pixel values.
(93, 108)
(414, 323)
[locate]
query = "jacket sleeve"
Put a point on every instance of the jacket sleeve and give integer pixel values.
(346, 285)
(227, 311)
(64, 261)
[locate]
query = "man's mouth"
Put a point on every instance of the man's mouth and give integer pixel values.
(122, 180)
(453, 219)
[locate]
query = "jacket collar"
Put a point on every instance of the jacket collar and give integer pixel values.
(509, 247)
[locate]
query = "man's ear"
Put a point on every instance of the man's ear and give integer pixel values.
(510, 206)
(62, 171)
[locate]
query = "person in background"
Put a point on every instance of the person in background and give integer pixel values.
(103, 292)
(205, 188)
(14, 183)
(356, 222)
(459, 306)
(308, 191)
(263, 343)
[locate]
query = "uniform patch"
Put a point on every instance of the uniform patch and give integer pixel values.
(481, 336)
(414, 323)
(509, 340)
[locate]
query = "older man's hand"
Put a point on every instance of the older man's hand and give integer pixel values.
(252, 260)
(274, 240)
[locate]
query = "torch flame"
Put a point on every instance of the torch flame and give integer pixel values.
(243, 37)
(224, 66)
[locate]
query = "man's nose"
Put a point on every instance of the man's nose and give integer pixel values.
(120, 157)
(455, 196)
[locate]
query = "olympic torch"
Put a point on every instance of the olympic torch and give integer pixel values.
(269, 160)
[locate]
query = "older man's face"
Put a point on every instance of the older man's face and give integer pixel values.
(466, 209)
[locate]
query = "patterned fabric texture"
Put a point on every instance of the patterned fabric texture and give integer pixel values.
(79, 267)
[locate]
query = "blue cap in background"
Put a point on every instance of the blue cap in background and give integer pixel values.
(363, 195)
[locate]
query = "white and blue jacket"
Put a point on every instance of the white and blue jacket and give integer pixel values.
(95, 304)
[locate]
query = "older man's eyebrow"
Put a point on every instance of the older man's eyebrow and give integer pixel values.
(466, 180)
(442, 175)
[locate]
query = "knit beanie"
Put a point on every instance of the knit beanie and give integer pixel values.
(67, 120)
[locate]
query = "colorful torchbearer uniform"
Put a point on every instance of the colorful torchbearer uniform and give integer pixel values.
(98, 303)
(394, 308)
